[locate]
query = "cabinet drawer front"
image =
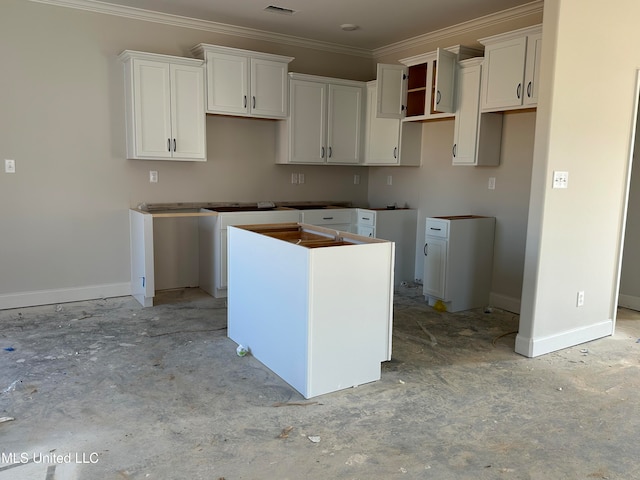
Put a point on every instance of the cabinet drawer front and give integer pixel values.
(366, 217)
(327, 217)
(437, 228)
(255, 218)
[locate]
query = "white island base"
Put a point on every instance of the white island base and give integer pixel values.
(312, 304)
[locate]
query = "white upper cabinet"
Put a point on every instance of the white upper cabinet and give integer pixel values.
(511, 69)
(164, 100)
(382, 135)
(423, 87)
(325, 125)
(245, 83)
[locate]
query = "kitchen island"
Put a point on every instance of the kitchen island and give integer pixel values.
(312, 304)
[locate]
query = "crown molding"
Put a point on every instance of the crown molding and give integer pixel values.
(450, 33)
(443, 35)
(205, 25)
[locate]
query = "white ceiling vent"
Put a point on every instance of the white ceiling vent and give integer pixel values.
(280, 10)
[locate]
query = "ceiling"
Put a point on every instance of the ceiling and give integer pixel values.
(380, 22)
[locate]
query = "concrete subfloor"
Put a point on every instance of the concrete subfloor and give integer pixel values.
(108, 390)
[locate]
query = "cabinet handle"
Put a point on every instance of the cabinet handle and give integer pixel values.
(254, 102)
(168, 144)
(455, 147)
(438, 96)
(425, 249)
(529, 90)
(395, 152)
(434, 228)
(327, 218)
(321, 152)
(366, 218)
(402, 108)
(174, 144)
(518, 90)
(404, 76)
(330, 152)
(245, 101)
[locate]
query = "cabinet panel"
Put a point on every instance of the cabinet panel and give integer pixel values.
(188, 119)
(435, 258)
(532, 69)
(344, 135)
(382, 135)
(308, 122)
(504, 74)
(392, 91)
(227, 83)
(445, 82)
(152, 105)
(268, 88)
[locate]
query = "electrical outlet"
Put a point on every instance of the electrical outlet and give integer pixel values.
(301, 178)
(580, 299)
(560, 179)
(389, 180)
(153, 176)
(9, 166)
(356, 179)
(492, 183)
(294, 178)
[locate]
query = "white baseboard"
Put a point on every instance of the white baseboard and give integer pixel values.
(629, 301)
(533, 347)
(63, 295)
(510, 304)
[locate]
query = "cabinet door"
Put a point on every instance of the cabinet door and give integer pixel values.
(503, 82)
(187, 112)
(366, 231)
(227, 83)
(308, 122)
(392, 91)
(445, 82)
(344, 131)
(382, 135)
(152, 107)
(268, 88)
(435, 267)
(532, 69)
(142, 266)
(466, 123)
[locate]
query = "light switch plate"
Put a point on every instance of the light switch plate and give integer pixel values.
(492, 183)
(9, 166)
(153, 176)
(560, 179)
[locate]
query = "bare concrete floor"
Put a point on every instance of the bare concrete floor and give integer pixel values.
(108, 390)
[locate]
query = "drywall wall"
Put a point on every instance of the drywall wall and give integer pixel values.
(574, 234)
(65, 228)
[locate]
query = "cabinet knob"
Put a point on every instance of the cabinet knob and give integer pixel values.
(321, 152)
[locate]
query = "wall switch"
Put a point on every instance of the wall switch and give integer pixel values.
(294, 178)
(492, 183)
(153, 176)
(9, 166)
(580, 299)
(356, 179)
(301, 178)
(389, 180)
(560, 179)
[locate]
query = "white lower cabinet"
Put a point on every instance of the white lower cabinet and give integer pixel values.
(316, 309)
(458, 261)
(396, 225)
(214, 243)
(164, 100)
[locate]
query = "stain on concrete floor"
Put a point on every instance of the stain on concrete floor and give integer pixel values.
(159, 393)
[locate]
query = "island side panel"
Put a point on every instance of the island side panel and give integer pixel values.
(268, 302)
(350, 315)
(141, 247)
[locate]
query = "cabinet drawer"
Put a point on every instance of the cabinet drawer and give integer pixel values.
(437, 228)
(251, 218)
(366, 217)
(327, 216)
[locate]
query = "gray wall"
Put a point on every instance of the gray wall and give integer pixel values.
(64, 213)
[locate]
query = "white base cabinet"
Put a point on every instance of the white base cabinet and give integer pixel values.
(320, 317)
(341, 219)
(458, 261)
(398, 226)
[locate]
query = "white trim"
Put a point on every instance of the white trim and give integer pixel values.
(439, 36)
(503, 302)
(63, 295)
(533, 347)
(629, 301)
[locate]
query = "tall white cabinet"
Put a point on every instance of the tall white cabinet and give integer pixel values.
(164, 101)
(458, 261)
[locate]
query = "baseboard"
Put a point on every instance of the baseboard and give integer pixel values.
(63, 295)
(629, 301)
(503, 302)
(533, 347)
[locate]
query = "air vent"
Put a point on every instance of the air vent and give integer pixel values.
(280, 10)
